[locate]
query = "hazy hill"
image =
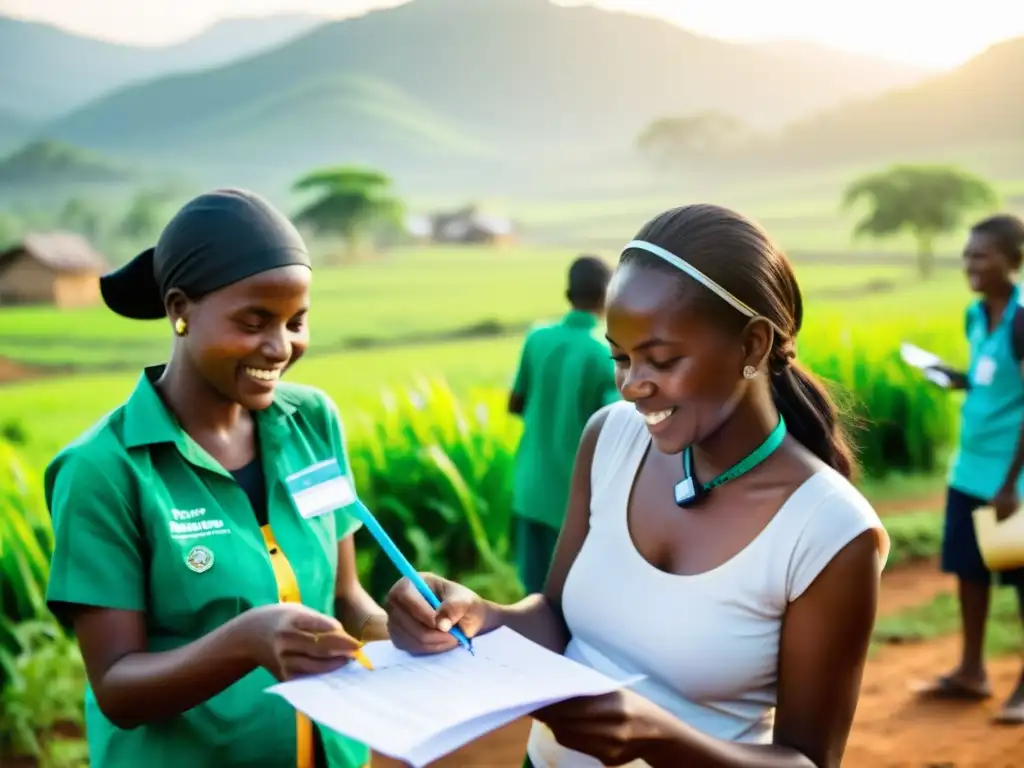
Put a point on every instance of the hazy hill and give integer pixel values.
(434, 80)
(47, 162)
(14, 130)
(978, 102)
(45, 71)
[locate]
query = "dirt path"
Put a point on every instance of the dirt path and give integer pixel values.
(935, 501)
(12, 371)
(891, 729)
(912, 584)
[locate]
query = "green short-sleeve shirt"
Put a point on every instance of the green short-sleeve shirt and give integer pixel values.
(146, 520)
(565, 374)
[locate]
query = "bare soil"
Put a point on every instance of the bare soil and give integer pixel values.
(935, 501)
(11, 372)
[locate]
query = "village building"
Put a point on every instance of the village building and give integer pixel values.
(472, 225)
(468, 225)
(58, 268)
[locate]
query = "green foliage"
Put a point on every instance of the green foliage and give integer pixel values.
(437, 474)
(913, 536)
(26, 540)
(43, 695)
(9, 230)
(83, 216)
(348, 201)
(145, 215)
(925, 200)
(941, 617)
(42, 678)
(898, 421)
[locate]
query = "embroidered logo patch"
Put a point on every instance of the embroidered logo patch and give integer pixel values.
(200, 559)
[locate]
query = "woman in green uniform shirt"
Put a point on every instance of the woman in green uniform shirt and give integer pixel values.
(191, 576)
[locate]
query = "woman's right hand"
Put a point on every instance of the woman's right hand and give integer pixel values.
(417, 628)
(290, 640)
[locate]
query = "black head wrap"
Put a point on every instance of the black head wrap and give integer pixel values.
(215, 240)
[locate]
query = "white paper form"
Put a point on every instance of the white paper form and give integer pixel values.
(926, 361)
(419, 708)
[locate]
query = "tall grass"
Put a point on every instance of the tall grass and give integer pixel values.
(26, 541)
(437, 474)
(898, 421)
(436, 467)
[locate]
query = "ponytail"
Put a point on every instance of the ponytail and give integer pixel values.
(812, 417)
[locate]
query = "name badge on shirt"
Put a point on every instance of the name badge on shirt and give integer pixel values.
(984, 371)
(320, 488)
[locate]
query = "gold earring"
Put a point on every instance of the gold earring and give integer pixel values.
(749, 372)
(180, 326)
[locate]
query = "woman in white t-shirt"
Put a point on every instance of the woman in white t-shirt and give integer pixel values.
(713, 541)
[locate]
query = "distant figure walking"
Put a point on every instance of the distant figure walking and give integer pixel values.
(565, 375)
(988, 463)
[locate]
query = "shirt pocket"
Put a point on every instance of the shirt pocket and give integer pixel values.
(198, 584)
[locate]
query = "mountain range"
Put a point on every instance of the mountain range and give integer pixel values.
(47, 72)
(978, 101)
(456, 89)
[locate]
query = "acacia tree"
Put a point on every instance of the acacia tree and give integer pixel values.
(348, 201)
(925, 200)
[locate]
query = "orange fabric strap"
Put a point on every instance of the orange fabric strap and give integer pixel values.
(288, 592)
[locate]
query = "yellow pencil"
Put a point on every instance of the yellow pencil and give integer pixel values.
(357, 654)
(361, 658)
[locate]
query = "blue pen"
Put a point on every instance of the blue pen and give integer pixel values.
(405, 567)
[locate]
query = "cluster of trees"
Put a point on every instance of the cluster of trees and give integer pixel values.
(694, 140)
(347, 202)
(112, 227)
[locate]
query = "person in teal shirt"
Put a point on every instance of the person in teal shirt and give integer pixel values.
(191, 575)
(988, 462)
(565, 375)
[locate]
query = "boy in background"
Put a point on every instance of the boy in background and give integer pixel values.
(565, 374)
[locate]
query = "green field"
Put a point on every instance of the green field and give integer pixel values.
(409, 291)
(364, 314)
(802, 210)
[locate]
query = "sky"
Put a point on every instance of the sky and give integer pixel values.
(926, 33)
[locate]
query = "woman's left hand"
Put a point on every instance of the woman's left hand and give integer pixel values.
(615, 728)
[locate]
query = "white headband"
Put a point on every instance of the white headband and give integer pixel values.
(695, 273)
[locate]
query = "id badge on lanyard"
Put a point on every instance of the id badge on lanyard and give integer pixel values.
(319, 489)
(984, 371)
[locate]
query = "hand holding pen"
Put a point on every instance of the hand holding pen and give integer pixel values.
(456, 626)
(416, 625)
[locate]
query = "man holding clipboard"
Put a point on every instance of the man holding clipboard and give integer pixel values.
(987, 467)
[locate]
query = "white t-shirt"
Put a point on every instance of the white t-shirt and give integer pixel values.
(712, 662)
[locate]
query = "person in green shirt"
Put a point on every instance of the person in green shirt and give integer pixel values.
(565, 375)
(988, 465)
(192, 576)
